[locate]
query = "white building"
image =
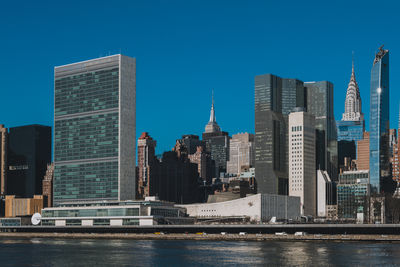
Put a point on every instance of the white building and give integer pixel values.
(302, 169)
(151, 211)
(241, 152)
(259, 207)
(324, 192)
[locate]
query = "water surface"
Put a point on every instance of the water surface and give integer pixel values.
(103, 252)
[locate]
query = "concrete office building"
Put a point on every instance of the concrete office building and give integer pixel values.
(320, 104)
(47, 185)
(29, 152)
(379, 166)
(302, 172)
(274, 99)
(241, 153)
(146, 160)
(363, 152)
(94, 130)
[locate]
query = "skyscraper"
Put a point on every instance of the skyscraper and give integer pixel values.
(241, 153)
(3, 159)
(94, 130)
(217, 142)
(379, 121)
(47, 185)
(396, 157)
(29, 152)
(363, 152)
(302, 171)
(146, 165)
(274, 99)
(320, 104)
(352, 125)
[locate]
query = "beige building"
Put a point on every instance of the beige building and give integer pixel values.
(3, 159)
(302, 161)
(47, 185)
(23, 206)
(241, 153)
(363, 152)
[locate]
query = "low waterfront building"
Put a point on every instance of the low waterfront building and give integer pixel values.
(151, 211)
(15, 207)
(353, 192)
(258, 208)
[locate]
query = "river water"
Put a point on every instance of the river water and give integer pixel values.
(103, 252)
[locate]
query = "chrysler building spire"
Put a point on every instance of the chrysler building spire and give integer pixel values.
(352, 110)
(212, 125)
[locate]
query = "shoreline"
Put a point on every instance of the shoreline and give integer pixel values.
(209, 237)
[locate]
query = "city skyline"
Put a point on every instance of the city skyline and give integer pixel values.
(174, 62)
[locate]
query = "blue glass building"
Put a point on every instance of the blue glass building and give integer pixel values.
(350, 130)
(379, 120)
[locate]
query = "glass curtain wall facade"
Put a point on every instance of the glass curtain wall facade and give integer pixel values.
(352, 193)
(29, 152)
(275, 98)
(94, 130)
(320, 104)
(379, 121)
(350, 130)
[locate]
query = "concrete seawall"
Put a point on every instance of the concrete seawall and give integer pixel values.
(213, 237)
(314, 229)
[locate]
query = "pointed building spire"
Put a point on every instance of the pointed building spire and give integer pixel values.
(353, 76)
(352, 111)
(212, 125)
(212, 113)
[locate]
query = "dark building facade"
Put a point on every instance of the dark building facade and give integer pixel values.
(178, 177)
(29, 152)
(320, 104)
(346, 149)
(275, 98)
(3, 159)
(191, 142)
(205, 165)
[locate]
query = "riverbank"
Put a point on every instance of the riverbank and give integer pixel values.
(212, 237)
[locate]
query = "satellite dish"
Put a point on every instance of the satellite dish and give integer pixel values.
(36, 218)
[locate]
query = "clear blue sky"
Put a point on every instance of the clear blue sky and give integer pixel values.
(186, 48)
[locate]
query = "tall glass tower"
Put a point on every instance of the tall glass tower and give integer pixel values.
(94, 130)
(379, 120)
